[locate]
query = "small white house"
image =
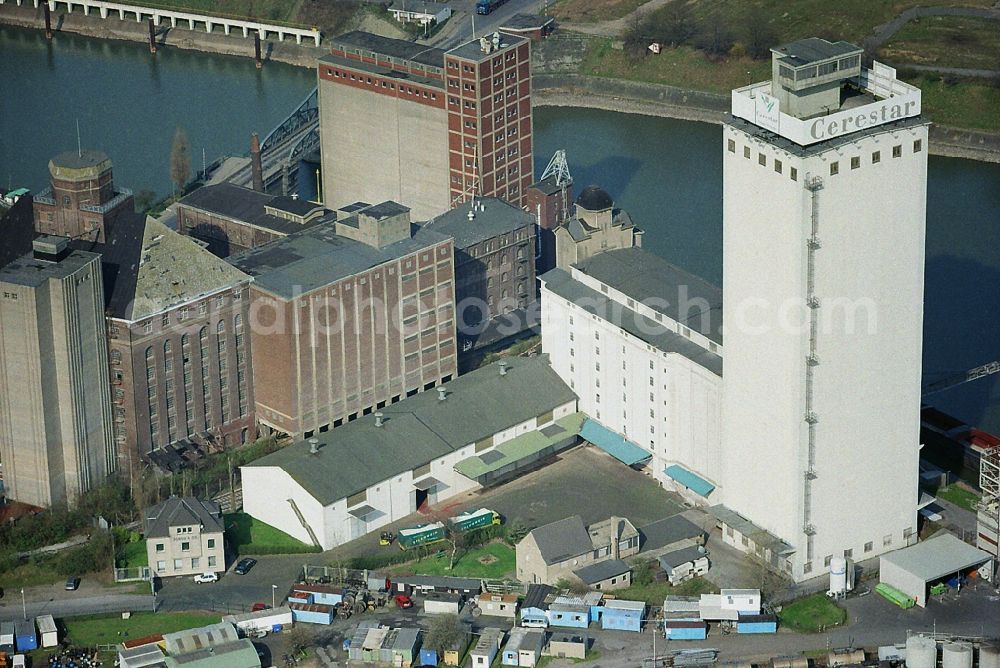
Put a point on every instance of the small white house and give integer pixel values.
(498, 605)
(729, 604)
(47, 630)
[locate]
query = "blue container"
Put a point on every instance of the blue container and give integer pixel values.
(428, 657)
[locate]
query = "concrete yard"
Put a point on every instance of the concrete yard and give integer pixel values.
(582, 481)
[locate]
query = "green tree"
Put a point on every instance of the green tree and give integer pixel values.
(180, 160)
(444, 632)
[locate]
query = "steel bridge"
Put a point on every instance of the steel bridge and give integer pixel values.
(282, 149)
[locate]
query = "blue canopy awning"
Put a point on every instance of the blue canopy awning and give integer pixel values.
(616, 445)
(696, 484)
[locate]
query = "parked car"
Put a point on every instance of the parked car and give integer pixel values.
(205, 578)
(257, 607)
(72, 583)
(244, 566)
(403, 601)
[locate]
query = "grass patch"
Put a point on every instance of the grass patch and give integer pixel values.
(30, 574)
(946, 41)
(653, 594)
(592, 655)
(684, 67)
(589, 11)
(492, 561)
(960, 103)
(960, 496)
(133, 555)
(812, 614)
(251, 536)
(90, 631)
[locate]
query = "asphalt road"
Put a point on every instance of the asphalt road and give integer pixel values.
(463, 16)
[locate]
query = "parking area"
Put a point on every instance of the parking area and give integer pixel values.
(233, 593)
(582, 481)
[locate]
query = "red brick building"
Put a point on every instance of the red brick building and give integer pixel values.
(426, 127)
(81, 201)
(347, 316)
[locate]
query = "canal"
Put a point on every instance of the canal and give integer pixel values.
(665, 172)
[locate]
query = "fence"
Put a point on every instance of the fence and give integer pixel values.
(505, 587)
(132, 574)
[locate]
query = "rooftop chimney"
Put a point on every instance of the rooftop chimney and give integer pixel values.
(256, 168)
(442, 393)
(378, 418)
(472, 212)
(503, 368)
(313, 446)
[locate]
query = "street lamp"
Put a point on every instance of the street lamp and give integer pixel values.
(273, 589)
(24, 607)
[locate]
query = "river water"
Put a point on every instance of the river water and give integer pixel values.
(665, 172)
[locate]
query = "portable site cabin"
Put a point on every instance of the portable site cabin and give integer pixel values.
(404, 648)
(566, 645)
(569, 614)
(523, 648)
(498, 605)
(371, 648)
(312, 613)
(486, 648)
(453, 655)
(47, 631)
(428, 657)
(443, 603)
(321, 594)
(757, 624)
(24, 635)
(271, 619)
(354, 648)
(623, 615)
(685, 629)
(7, 637)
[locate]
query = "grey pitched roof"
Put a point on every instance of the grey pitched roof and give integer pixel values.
(247, 206)
(938, 556)
(601, 571)
(496, 217)
(562, 539)
(654, 333)
(535, 598)
(421, 428)
(662, 286)
(180, 512)
(678, 557)
(318, 256)
(667, 531)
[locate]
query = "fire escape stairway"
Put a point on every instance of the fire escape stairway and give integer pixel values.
(302, 521)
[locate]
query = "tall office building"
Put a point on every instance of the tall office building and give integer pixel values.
(825, 174)
(56, 437)
(423, 126)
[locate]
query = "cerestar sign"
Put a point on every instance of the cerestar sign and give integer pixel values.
(895, 100)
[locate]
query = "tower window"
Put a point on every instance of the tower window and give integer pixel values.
(746, 152)
(855, 162)
(834, 168)
(918, 145)
(876, 157)
(732, 146)
(793, 174)
(761, 159)
(897, 151)
(777, 166)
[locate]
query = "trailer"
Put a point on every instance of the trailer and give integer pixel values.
(475, 519)
(895, 596)
(47, 631)
(422, 534)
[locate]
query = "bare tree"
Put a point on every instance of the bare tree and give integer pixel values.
(180, 160)
(760, 34)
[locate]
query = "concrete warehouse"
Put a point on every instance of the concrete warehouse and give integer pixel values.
(426, 127)
(382, 467)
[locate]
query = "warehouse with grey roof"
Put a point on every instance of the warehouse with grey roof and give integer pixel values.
(344, 483)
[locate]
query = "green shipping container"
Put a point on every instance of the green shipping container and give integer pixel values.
(423, 534)
(893, 595)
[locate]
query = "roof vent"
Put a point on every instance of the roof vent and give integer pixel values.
(472, 212)
(378, 419)
(313, 446)
(503, 368)
(442, 393)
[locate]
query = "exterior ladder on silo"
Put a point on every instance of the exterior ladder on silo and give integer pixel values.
(813, 185)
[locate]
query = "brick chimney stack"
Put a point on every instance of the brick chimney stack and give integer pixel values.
(255, 165)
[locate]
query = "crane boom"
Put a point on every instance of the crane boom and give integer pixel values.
(959, 379)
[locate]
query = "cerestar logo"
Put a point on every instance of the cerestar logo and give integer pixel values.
(767, 111)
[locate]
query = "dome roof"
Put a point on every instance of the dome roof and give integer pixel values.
(595, 198)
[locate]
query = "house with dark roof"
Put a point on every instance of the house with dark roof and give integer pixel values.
(566, 548)
(184, 536)
(596, 226)
(494, 268)
(420, 451)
